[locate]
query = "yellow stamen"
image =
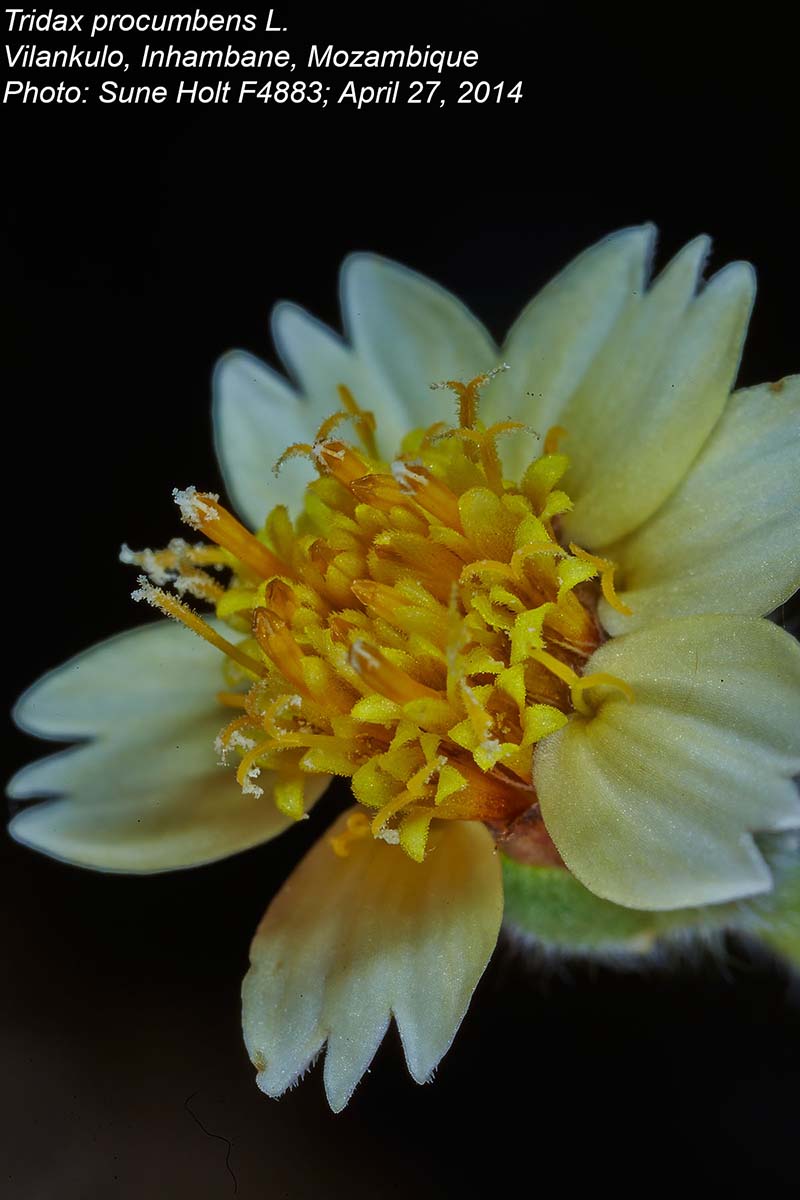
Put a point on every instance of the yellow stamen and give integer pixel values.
(329, 424)
(234, 726)
(275, 639)
(182, 566)
(356, 828)
(478, 717)
(467, 398)
(468, 394)
(379, 491)
(488, 566)
(485, 440)
(172, 607)
(385, 677)
(429, 492)
(553, 438)
(579, 684)
(558, 668)
(203, 511)
(249, 760)
(520, 556)
(599, 679)
(365, 423)
(415, 789)
(340, 460)
(296, 450)
(435, 431)
(606, 568)
(280, 599)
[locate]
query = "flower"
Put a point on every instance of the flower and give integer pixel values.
(554, 647)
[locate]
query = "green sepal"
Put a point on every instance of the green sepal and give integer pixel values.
(551, 907)
(781, 927)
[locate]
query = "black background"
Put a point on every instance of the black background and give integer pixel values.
(141, 244)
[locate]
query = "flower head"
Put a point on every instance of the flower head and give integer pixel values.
(531, 623)
(418, 629)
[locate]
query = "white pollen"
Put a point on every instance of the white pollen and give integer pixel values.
(389, 835)
(249, 787)
(503, 366)
(241, 741)
(360, 653)
(237, 740)
(196, 585)
(194, 510)
(146, 592)
(438, 763)
(322, 450)
(406, 476)
(147, 559)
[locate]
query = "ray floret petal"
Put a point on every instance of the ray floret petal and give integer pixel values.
(350, 942)
(143, 791)
(653, 804)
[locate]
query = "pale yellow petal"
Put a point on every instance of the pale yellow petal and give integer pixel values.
(321, 361)
(257, 415)
(412, 333)
(652, 396)
(147, 792)
(653, 804)
(350, 941)
(554, 341)
(728, 540)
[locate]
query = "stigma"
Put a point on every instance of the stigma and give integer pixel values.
(418, 628)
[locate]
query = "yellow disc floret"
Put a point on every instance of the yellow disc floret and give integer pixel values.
(419, 627)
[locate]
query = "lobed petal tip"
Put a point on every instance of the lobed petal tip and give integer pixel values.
(639, 240)
(734, 284)
(283, 316)
(332, 964)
